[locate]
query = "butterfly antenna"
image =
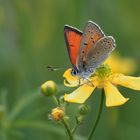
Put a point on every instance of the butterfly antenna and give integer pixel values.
(51, 68)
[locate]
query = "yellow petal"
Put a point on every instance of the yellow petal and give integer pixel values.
(113, 96)
(73, 81)
(127, 81)
(81, 94)
(70, 84)
(70, 80)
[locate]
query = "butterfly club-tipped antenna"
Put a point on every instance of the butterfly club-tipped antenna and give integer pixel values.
(52, 68)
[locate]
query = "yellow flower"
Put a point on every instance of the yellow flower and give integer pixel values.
(103, 78)
(115, 61)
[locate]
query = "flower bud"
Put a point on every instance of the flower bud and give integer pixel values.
(57, 114)
(83, 109)
(80, 119)
(49, 88)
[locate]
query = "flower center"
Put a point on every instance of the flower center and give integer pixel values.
(103, 73)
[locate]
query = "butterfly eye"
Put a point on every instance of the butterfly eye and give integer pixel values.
(74, 72)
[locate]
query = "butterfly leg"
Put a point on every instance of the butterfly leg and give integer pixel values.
(79, 81)
(88, 81)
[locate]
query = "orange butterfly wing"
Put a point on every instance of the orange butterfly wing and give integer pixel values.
(73, 40)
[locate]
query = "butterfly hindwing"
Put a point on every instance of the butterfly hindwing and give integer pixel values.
(73, 39)
(92, 33)
(100, 52)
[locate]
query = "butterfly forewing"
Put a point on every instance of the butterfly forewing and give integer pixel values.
(92, 33)
(73, 39)
(100, 52)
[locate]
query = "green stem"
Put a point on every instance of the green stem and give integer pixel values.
(76, 126)
(68, 129)
(98, 117)
(55, 100)
(41, 126)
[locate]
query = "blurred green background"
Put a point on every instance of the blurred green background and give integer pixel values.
(31, 37)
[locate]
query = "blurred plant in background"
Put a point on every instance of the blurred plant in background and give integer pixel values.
(31, 37)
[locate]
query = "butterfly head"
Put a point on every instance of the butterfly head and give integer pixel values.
(81, 74)
(74, 72)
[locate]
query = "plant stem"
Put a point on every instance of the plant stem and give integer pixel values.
(76, 126)
(55, 100)
(98, 117)
(68, 129)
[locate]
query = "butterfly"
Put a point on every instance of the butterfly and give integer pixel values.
(88, 49)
